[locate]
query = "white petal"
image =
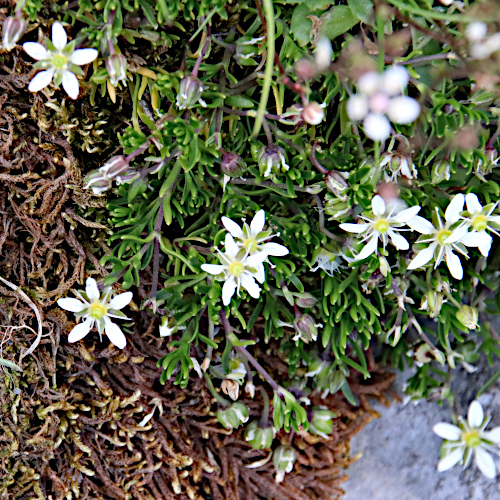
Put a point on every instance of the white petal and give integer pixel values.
(369, 82)
(476, 31)
(41, 80)
(485, 463)
(70, 84)
(91, 289)
(485, 243)
(114, 334)
(81, 57)
(260, 275)
(447, 431)
(407, 214)
(456, 206)
(450, 460)
(493, 435)
(212, 268)
(354, 228)
(395, 79)
(454, 264)
(274, 249)
(398, 241)
(59, 37)
(475, 415)
(377, 127)
(120, 301)
(495, 219)
(473, 205)
(369, 248)
(378, 205)
(80, 330)
(423, 257)
(228, 290)
(357, 107)
(230, 247)
(257, 224)
(36, 50)
(462, 234)
(232, 227)
(255, 259)
(249, 284)
(421, 225)
(72, 305)
(403, 110)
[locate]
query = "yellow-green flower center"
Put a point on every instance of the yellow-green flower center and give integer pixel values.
(472, 439)
(479, 223)
(59, 61)
(442, 235)
(236, 269)
(382, 226)
(250, 245)
(97, 310)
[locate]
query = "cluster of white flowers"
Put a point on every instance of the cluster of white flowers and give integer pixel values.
(60, 61)
(379, 101)
(460, 229)
(481, 45)
(242, 262)
(97, 310)
(467, 438)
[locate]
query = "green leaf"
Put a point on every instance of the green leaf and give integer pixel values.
(362, 9)
(10, 364)
(337, 21)
(300, 26)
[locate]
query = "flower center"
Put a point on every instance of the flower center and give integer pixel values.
(251, 245)
(379, 102)
(59, 61)
(381, 226)
(442, 235)
(236, 268)
(479, 223)
(97, 310)
(472, 439)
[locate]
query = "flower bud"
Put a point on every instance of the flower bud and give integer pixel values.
(305, 69)
(432, 302)
(167, 327)
(114, 167)
(271, 159)
(305, 299)
(306, 328)
(384, 266)
(13, 29)
(97, 182)
(337, 208)
(292, 115)
(231, 388)
(440, 172)
(313, 113)
(336, 183)
(468, 316)
(232, 164)
(324, 53)
(246, 48)
(233, 416)
(283, 458)
(190, 92)
(116, 66)
(259, 438)
(321, 423)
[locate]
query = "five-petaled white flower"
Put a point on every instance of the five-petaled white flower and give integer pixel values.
(379, 101)
(443, 240)
(382, 225)
(468, 437)
(238, 269)
(253, 238)
(97, 310)
(60, 61)
(479, 220)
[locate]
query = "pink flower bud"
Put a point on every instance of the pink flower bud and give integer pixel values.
(231, 164)
(116, 66)
(313, 113)
(13, 29)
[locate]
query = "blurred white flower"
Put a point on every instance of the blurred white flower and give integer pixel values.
(467, 438)
(97, 310)
(443, 240)
(324, 53)
(382, 226)
(60, 61)
(379, 101)
(482, 45)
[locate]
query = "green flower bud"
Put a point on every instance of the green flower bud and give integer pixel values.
(321, 422)
(337, 208)
(440, 172)
(305, 299)
(97, 182)
(190, 92)
(432, 302)
(283, 459)
(336, 183)
(271, 159)
(306, 328)
(13, 29)
(232, 164)
(468, 316)
(233, 416)
(246, 48)
(259, 437)
(116, 66)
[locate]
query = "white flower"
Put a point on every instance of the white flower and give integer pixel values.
(479, 221)
(253, 238)
(326, 260)
(482, 45)
(60, 62)
(379, 101)
(382, 225)
(97, 310)
(441, 242)
(476, 31)
(324, 53)
(468, 437)
(238, 269)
